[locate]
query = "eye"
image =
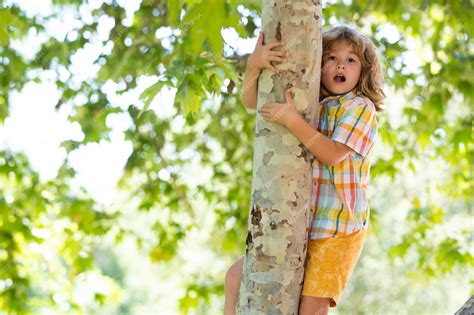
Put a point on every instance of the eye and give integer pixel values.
(352, 60)
(332, 58)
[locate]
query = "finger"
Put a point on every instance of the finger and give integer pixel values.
(271, 68)
(288, 95)
(274, 44)
(275, 58)
(266, 110)
(260, 38)
(278, 53)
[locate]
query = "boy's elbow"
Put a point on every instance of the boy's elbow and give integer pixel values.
(334, 160)
(342, 151)
(326, 161)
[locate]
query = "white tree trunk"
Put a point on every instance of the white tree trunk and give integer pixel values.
(280, 212)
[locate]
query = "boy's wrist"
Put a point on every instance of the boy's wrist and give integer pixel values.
(293, 120)
(251, 76)
(250, 66)
(252, 70)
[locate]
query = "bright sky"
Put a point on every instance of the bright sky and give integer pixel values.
(35, 128)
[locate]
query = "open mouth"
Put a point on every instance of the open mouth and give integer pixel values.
(340, 78)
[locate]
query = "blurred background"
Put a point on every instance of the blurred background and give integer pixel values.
(126, 155)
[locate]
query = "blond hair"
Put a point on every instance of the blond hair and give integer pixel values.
(371, 76)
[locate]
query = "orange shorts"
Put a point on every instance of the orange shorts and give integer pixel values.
(329, 264)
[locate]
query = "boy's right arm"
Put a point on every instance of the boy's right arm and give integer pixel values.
(261, 58)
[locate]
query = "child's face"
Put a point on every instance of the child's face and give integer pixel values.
(341, 68)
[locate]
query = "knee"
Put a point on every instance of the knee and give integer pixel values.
(234, 274)
(230, 276)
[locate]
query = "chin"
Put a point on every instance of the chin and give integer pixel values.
(339, 91)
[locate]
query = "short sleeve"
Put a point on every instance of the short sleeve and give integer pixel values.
(357, 127)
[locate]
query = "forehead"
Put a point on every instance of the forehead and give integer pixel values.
(342, 45)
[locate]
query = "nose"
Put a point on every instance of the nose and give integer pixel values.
(340, 66)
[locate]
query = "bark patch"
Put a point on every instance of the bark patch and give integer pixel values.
(278, 32)
(305, 153)
(264, 132)
(267, 156)
(248, 242)
(256, 215)
(273, 225)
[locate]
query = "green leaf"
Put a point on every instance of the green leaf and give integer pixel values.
(149, 94)
(6, 18)
(188, 97)
(174, 11)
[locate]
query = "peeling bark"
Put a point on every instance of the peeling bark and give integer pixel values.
(280, 212)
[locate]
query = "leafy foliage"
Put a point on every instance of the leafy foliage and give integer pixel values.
(435, 123)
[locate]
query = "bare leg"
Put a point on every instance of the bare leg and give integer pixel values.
(232, 286)
(310, 305)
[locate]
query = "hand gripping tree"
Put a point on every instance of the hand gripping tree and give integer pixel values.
(280, 212)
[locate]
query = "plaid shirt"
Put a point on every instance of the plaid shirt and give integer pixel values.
(340, 191)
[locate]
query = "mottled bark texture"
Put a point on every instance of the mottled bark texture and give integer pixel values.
(467, 308)
(280, 212)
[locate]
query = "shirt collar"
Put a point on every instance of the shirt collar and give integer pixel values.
(341, 98)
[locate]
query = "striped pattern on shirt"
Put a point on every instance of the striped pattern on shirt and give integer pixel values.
(339, 194)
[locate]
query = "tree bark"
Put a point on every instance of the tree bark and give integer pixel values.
(280, 211)
(467, 308)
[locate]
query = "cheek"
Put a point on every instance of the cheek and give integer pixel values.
(324, 70)
(356, 70)
(324, 77)
(325, 80)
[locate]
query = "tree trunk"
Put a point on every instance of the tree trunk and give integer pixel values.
(280, 212)
(467, 308)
